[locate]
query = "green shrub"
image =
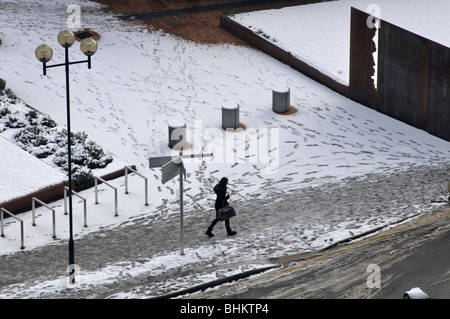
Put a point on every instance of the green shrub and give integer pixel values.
(14, 121)
(81, 175)
(48, 121)
(40, 136)
(32, 117)
(11, 95)
(36, 141)
(85, 155)
(2, 85)
(5, 112)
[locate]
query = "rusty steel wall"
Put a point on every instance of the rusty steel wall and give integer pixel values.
(402, 75)
(438, 117)
(413, 80)
(362, 87)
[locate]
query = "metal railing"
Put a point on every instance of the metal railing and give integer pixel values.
(33, 208)
(66, 189)
(128, 168)
(96, 179)
(2, 210)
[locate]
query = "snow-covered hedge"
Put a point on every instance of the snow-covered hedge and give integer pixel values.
(39, 135)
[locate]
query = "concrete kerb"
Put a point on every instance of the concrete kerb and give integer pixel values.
(215, 283)
(368, 232)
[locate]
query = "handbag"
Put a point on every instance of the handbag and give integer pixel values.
(226, 213)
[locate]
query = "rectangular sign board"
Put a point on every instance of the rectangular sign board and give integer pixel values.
(159, 161)
(170, 170)
(197, 155)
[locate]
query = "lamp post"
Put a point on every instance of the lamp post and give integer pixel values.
(44, 53)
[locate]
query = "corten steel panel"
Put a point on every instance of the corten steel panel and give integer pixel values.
(362, 47)
(438, 120)
(402, 75)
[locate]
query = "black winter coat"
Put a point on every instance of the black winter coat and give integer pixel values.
(222, 197)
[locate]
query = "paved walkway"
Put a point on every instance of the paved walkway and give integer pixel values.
(193, 20)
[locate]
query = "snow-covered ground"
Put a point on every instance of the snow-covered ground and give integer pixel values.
(142, 80)
(21, 165)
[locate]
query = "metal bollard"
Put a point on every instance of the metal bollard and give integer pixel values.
(230, 117)
(177, 134)
(281, 100)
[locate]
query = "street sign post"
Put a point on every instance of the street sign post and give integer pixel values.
(197, 155)
(160, 161)
(171, 167)
(170, 170)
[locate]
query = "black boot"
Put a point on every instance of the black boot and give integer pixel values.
(209, 232)
(210, 228)
(229, 231)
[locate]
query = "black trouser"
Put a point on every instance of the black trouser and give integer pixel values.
(215, 221)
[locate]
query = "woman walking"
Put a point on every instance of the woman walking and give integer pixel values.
(221, 201)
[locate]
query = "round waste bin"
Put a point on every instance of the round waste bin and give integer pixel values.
(281, 100)
(230, 117)
(177, 134)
